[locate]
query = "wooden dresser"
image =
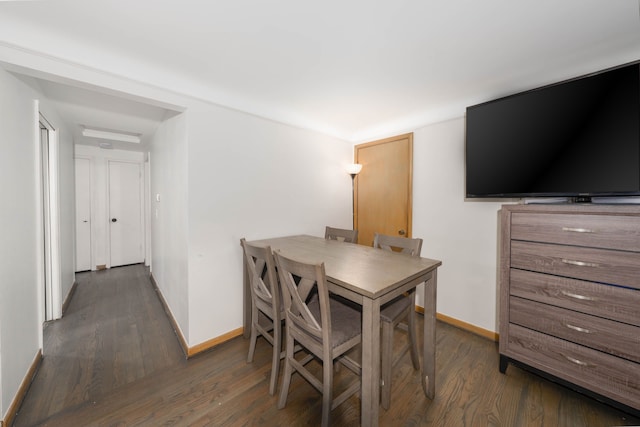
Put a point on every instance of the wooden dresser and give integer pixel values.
(570, 296)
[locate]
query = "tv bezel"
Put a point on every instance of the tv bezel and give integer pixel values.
(577, 197)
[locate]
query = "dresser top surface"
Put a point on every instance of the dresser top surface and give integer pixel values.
(575, 208)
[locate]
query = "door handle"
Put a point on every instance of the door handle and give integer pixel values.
(114, 220)
(401, 232)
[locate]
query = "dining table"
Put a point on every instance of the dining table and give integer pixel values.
(369, 277)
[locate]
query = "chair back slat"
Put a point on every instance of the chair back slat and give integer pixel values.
(299, 283)
(405, 245)
(341, 234)
(260, 278)
(261, 271)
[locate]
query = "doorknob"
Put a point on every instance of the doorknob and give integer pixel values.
(114, 220)
(401, 232)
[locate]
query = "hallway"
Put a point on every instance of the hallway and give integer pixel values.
(114, 332)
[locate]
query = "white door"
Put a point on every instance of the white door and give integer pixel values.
(125, 213)
(83, 214)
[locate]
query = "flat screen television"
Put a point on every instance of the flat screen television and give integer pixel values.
(576, 139)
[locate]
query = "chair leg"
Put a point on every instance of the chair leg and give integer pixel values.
(327, 391)
(413, 341)
(387, 362)
(288, 371)
(254, 335)
(275, 358)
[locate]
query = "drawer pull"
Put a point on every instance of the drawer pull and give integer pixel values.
(579, 263)
(578, 361)
(578, 230)
(577, 328)
(578, 296)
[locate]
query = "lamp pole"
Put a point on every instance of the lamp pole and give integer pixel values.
(353, 200)
(353, 170)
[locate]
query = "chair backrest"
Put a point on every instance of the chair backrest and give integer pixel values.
(345, 235)
(263, 279)
(406, 245)
(306, 314)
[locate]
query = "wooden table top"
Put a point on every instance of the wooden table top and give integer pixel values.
(367, 271)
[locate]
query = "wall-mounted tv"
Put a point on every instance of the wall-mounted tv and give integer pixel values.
(576, 139)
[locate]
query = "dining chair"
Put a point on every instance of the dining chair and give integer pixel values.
(345, 235)
(266, 305)
(393, 313)
(323, 326)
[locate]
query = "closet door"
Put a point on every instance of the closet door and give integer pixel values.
(125, 213)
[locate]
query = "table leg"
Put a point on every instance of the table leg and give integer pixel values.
(370, 398)
(429, 349)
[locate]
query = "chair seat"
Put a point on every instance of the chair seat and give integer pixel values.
(347, 321)
(394, 308)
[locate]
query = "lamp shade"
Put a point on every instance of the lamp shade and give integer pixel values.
(354, 168)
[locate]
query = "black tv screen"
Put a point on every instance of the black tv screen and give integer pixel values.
(578, 138)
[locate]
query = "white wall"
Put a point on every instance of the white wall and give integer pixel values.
(21, 295)
(99, 159)
(221, 175)
(254, 178)
(67, 204)
(18, 246)
(169, 249)
(462, 234)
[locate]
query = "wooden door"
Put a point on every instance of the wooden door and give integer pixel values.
(125, 213)
(83, 214)
(383, 198)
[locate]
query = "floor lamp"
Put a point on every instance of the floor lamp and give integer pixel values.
(353, 170)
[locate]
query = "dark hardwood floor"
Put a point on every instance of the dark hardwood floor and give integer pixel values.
(113, 360)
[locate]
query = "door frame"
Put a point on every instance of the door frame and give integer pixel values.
(48, 262)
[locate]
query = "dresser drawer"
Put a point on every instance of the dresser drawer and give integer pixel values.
(611, 376)
(612, 302)
(601, 334)
(599, 231)
(596, 265)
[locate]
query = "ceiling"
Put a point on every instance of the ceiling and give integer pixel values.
(355, 69)
(89, 109)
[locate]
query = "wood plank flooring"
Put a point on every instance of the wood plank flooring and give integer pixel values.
(113, 360)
